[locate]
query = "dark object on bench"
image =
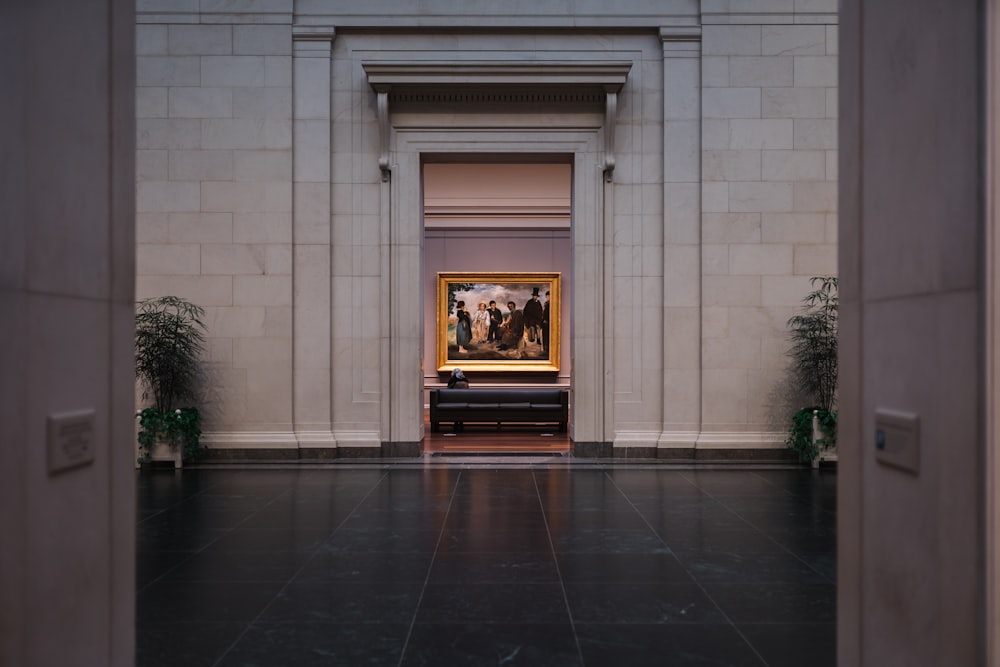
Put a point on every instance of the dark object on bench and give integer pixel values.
(499, 405)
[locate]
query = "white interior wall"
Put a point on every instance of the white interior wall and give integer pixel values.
(67, 247)
(910, 552)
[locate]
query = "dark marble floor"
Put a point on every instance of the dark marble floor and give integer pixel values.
(505, 564)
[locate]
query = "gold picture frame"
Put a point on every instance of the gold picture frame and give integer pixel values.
(498, 347)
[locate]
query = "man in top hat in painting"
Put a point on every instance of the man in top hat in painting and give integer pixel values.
(533, 317)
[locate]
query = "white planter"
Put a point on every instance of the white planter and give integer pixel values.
(827, 453)
(161, 451)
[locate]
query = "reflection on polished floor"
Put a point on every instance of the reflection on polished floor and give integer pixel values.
(493, 562)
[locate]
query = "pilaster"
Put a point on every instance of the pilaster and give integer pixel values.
(681, 237)
(311, 254)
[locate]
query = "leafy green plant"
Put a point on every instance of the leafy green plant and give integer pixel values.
(169, 341)
(182, 427)
(813, 335)
(800, 433)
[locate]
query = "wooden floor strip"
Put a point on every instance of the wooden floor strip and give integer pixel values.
(486, 439)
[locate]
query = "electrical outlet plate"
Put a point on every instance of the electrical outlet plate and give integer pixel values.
(70, 440)
(897, 439)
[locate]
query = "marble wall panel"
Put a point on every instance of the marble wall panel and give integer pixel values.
(169, 259)
(262, 290)
(151, 102)
(168, 133)
(203, 290)
(731, 102)
(793, 165)
(199, 227)
(732, 40)
(731, 228)
(201, 165)
(200, 40)
(731, 165)
(765, 197)
(261, 166)
(793, 40)
(204, 102)
(762, 134)
(261, 40)
(799, 102)
(151, 165)
(223, 71)
(168, 71)
(816, 71)
(151, 40)
(232, 259)
(262, 228)
(165, 196)
(793, 228)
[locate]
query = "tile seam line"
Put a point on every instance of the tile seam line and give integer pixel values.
(289, 580)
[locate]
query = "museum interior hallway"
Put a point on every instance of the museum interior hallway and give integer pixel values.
(544, 560)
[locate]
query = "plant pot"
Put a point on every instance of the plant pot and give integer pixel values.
(164, 451)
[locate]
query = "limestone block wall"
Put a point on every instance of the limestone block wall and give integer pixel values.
(214, 200)
(260, 197)
(769, 218)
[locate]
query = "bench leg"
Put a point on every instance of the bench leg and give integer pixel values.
(435, 427)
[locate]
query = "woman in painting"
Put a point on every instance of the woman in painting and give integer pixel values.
(480, 323)
(463, 330)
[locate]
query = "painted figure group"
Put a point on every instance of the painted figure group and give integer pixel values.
(489, 325)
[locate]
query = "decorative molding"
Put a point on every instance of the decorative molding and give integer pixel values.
(383, 131)
(310, 33)
(740, 440)
(610, 113)
(494, 97)
(314, 439)
(680, 33)
(508, 81)
(508, 75)
(769, 18)
(250, 440)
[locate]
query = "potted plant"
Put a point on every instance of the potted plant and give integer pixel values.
(169, 340)
(813, 430)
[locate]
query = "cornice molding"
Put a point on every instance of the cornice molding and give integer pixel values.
(606, 75)
(476, 80)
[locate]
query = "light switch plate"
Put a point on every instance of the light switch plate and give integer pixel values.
(70, 440)
(897, 439)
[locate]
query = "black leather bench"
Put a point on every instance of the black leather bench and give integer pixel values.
(499, 405)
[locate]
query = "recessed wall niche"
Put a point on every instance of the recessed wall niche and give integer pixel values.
(497, 216)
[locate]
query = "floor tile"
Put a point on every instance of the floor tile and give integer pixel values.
(367, 567)
(776, 603)
(194, 643)
(659, 645)
(210, 601)
(339, 602)
(493, 567)
(626, 568)
(794, 644)
(493, 603)
(318, 645)
(735, 566)
(610, 603)
(470, 564)
(473, 645)
(219, 565)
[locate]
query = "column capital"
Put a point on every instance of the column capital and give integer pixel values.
(313, 33)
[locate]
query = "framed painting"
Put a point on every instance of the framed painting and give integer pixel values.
(498, 321)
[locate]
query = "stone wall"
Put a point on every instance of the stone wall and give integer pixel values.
(260, 197)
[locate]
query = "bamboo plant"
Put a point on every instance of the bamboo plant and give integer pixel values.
(813, 335)
(169, 341)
